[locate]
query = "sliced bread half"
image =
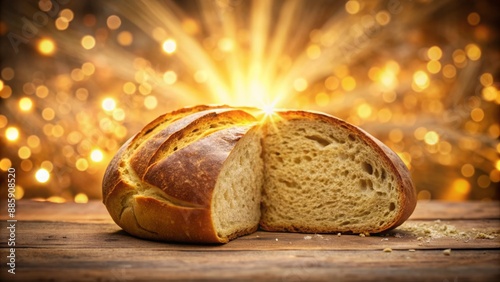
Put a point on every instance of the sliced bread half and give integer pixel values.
(324, 175)
(194, 175)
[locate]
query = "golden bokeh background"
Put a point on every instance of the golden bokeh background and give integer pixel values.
(78, 78)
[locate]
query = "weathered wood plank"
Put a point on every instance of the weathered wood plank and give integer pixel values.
(105, 235)
(91, 264)
(96, 211)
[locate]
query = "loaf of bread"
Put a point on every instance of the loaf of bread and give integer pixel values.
(209, 174)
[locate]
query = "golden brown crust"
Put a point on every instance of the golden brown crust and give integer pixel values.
(190, 174)
(150, 218)
(174, 223)
(172, 200)
(169, 124)
(112, 174)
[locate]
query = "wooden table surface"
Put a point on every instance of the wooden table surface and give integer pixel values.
(80, 242)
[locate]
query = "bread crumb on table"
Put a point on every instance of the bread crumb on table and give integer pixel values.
(425, 231)
(307, 237)
(387, 250)
(339, 234)
(482, 235)
(447, 252)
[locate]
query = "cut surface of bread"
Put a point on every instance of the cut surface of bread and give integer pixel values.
(323, 175)
(237, 194)
(210, 174)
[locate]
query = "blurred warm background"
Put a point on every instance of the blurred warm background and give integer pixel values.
(78, 78)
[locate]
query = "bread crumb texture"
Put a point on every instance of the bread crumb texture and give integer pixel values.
(237, 195)
(323, 177)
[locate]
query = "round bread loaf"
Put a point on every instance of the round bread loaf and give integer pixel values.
(208, 174)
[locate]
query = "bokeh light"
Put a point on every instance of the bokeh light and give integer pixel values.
(88, 42)
(25, 104)
(113, 22)
(96, 155)
(169, 46)
(12, 133)
(108, 104)
(42, 175)
(46, 46)
(81, 198)
(352, 6)
(125, 38)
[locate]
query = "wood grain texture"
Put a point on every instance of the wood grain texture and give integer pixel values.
(79, 242)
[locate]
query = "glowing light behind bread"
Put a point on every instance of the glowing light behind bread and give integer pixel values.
(97, 76)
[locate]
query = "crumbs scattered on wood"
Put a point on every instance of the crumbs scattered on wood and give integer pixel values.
(482, 235)
(439, 229)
